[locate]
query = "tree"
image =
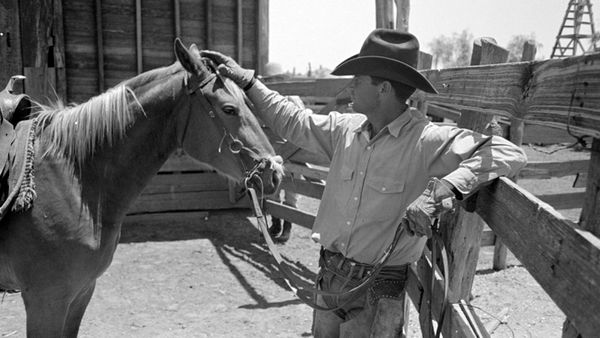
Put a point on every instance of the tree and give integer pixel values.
(515, 46)
(453, 51)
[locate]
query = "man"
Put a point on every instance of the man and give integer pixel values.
(389, 167)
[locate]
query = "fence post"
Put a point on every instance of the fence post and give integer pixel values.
(517, 127)
(462, 230)
(590, 217)
(384, 14)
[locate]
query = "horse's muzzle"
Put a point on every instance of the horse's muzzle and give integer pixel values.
(267, 175)
(272, 175)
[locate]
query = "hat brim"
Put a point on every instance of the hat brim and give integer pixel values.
(386, 68)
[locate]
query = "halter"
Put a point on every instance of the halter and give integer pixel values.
(235, 146)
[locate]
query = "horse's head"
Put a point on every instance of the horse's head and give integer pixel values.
(221, 129)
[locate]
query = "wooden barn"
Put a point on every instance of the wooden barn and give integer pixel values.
(76, 49)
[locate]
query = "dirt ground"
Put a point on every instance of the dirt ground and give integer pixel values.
(210, 275)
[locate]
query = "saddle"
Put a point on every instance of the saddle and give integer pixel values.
(14, 144)
(14, 107)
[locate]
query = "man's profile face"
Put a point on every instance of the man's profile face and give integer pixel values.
(363, 94)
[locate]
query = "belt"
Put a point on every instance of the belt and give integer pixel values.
(347, 267)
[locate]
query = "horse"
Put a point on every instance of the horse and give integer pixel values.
(91, 161)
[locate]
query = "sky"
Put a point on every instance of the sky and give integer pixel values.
(326, 32)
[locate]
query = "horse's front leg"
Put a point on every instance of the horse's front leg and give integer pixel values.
(77, 309)
(46, 312)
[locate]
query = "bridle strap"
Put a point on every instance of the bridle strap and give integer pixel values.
(192, 85)
(307, 295)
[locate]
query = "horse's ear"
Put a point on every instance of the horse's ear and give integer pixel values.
(185, 57)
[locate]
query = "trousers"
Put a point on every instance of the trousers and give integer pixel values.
(374, 313)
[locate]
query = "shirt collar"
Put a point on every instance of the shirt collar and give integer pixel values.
(395, 126)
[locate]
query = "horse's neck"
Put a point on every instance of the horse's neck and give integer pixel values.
(125, 168)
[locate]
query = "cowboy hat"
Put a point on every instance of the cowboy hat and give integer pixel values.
(389, 54)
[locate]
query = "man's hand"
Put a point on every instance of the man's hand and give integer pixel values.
(244, 78)
(435, 200)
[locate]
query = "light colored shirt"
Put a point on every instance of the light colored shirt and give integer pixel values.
(372, 181)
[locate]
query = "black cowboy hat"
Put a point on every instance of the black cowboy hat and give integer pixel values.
(388, 54)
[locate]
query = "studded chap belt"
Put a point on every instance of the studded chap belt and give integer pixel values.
(389, 282)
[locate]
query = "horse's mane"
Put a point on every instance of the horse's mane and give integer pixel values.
(76, 132)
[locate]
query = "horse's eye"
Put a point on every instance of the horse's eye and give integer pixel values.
(230, 110)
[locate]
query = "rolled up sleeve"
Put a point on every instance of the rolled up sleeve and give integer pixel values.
(480, 158)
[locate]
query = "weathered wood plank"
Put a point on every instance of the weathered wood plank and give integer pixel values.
(442, 111)
(564, 260)
(539, 134)
(262, 32)
(59, 52)
(564, 201)
(177, 17)
(303, 187)
(590, 219)
(10, 43)
(319, 87)
(384, 14)
(288, 213)
(317, 173)
(402, 19)
(590, 215)
(487, 238)
(186, 182)
(40, 82)
(182, 162)
(304, 156)
(540, 169)
(99, 44)
(153, 218)
(240, 31)
(206, 200)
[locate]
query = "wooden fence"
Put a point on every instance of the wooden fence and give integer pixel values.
(531, 99)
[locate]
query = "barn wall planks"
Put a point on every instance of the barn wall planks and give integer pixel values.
(96, 61)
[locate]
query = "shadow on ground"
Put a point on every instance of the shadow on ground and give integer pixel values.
(233, 236)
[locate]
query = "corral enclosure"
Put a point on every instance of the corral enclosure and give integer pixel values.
(81, 48)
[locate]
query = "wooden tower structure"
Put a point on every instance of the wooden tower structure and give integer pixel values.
(577, 25)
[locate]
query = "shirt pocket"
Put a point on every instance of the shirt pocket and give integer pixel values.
(383, 198)
(346, 185)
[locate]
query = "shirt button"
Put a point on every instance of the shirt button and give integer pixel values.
(356, 198)
(348, 223)
(362, 173)
(383, 189)
(369, 148)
